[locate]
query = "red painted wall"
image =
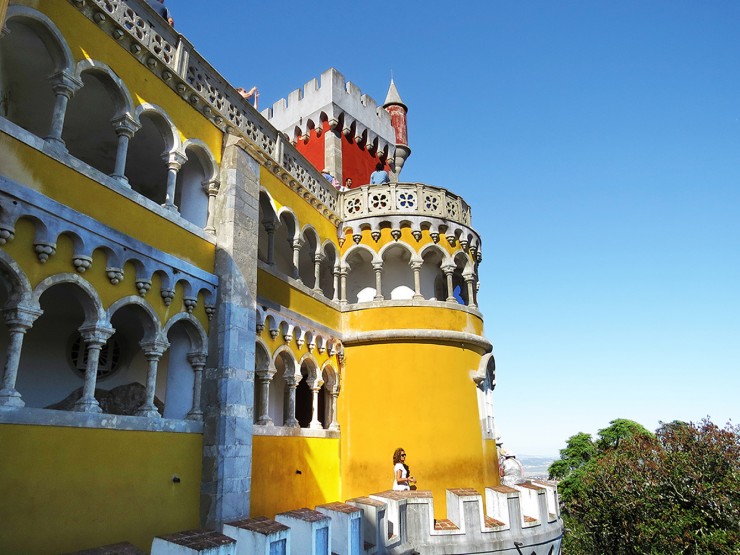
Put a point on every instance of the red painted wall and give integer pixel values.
(314, 149)
(357, 163)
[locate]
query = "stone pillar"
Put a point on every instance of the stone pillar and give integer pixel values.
(343, 282)
(470, 282)
(174, 161)
(317, 272)
(64, 86)
(336, 272)
(270, 229)
(378, 267)
(265, 378)
(95, 338)
(125, 128)
(198, 362)
(153, 351)
(19, 320)
(416, 267)
(228, 384)
(211, 188)
(334, 426)
(290, 421)
(315, 422)
(296, 245)
(449, 270)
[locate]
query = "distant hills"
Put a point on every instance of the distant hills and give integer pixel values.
(535, 466)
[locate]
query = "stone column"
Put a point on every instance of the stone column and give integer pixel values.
(343, 282)
(334, 426)
(336, 273)
(198, 362)
(19, 320)
(449, 270)
(95, 338)
(470, 282)
(125, 128)
(317, 272)
(153, 351)
(315, 422)
(416, 267)
(211, 188)
(228, 384)
(64, 86)
(174, 161)
(265, 379)
(270, 229)
(290, 421)
(296, 244)
(378, 267)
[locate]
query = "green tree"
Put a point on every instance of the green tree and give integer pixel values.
(677, 491)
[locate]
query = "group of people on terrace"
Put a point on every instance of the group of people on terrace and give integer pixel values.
(378, 177)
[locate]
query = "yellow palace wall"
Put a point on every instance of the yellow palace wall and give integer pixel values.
(293, 472)
(53, 480)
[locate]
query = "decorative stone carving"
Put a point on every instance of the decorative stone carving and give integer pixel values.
(167, 296)
(82, 263)
(375, 234)
(396, 234)
(210, 311)
(115, 275)
(435, 236)
(143, 286)
(416, 234)
(357, 237)
(6, 234)
(451, 239)
(44, 250)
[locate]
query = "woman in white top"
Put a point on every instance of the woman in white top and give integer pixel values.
(401, 479)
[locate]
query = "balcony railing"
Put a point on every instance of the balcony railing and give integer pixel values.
(396, 199)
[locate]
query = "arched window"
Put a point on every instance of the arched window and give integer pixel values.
(433, 282)
(148, 155)
(27, 61)
(190, 195)
(285, 234)
(326, 270)
(88, 130)
(307, 258)
(398, 277)
(361, 278)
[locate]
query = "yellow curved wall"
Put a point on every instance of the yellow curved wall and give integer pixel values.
(293, 472)
(418, 395)
(52, 481)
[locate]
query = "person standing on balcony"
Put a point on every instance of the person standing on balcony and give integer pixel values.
(379, 175)
(401, 479)
(159, 7)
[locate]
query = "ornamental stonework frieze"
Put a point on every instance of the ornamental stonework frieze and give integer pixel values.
(52, 219)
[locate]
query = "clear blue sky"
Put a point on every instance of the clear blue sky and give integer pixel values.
(599, 145)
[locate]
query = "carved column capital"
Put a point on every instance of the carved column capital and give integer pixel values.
(197, 359)
(96, 335)
(21, 318)
(64, 83)
(174, 160)
(212, 186)
(154, 349)
(125, 125)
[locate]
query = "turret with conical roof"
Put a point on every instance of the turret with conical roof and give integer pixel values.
(398, 110)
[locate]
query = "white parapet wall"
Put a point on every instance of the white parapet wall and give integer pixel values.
(515, 520)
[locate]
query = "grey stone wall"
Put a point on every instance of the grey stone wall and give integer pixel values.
(228, 387)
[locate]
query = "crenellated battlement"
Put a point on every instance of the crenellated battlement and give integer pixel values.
(399, 522)
(340, 103)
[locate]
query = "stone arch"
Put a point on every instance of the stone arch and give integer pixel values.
(286, 366)
(33, 55)
(191, 192)
(286, 233)
(463, 266)
(151, 325)
(186, 338)
(92, 114)
(398, 276)
(153, 146)
(361, 277)
(268, 219)
(330, 389)
(51, 371)
(432, 279)
(90, 302)
(310, 381)
(328, 265)
(310, 248)
(17, 288)
(262, 366)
